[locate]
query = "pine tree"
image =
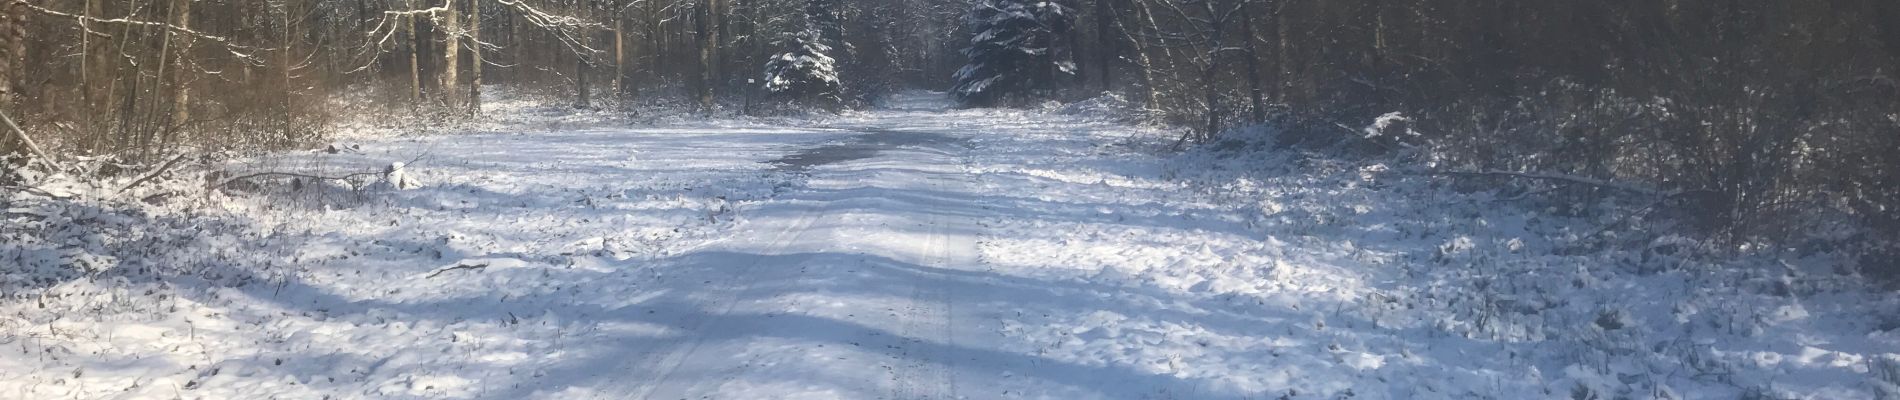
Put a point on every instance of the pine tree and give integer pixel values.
(1015, 49)
(823, 22)
(806, 71)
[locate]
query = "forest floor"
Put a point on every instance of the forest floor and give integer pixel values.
(908, 252)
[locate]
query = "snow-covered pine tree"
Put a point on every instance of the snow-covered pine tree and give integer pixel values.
(1014, 49)
(822, 20)
(805, 71)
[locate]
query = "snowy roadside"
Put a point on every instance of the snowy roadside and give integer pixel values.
(1242, 271)
(507, 108)
(318, 289)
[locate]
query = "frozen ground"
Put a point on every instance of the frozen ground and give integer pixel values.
(911, 252)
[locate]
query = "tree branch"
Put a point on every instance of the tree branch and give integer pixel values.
(227, 182)
(87, 20)
(28, 142)
(154, 174)
(1582, 180)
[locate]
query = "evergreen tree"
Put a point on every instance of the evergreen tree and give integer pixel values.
(823, 22)
(806, 71)
(1015, 48)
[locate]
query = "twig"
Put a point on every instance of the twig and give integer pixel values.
(228, 44)
(1663, 196)
(1528, 194)
(154, 174)
(1571, 179)
(36, 191)
(472, 267)
(294, 175)
(1606, 228)
(28, 141)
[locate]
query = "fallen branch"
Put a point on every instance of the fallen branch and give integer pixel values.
(27, 141)
(227, 182)
(342, 178)
(472, 267)
(1358, 134)
(1588, 181)
(1527, 194)
(1663, 196)
(154, 174)
(36, 191)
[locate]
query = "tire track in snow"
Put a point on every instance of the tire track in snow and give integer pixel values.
(922, 370)
(663, 361)
(918, 372)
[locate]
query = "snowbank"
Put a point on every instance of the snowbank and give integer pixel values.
(1240, 270)
(319, 289)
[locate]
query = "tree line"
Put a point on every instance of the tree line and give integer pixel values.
(136, 80)
(1748, 119)
(1760, 124)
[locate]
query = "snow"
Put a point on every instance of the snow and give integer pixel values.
(1384, 123)
(907, 252)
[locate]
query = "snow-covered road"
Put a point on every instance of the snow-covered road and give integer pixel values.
(840, 289)
(835, 259)
(909, 252)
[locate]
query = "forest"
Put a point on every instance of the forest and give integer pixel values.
(1749, 115)
(1616, 132)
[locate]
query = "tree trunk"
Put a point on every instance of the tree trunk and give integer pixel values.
(751, 87)
(582, 99)
(12, 55)
(155, 124)
(1106, 50)
(723, 28)
(475, 58)
(126, 87)
(1216, 42)
(288, 67)
(85, 56)
(657, 47)
(1150, 97)
(415, 62)
(1146, 14)
(1284, 57)
(709, 27)
(1067, 54)
(620, 53)
(1378, 62)
(181, 95)
(1253, 65)
(518, 37)
(12, 48)
(89, 81)
(451, 53)
(1281, 76)
(637, 77)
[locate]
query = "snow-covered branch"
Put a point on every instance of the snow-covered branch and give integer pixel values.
(569, 30)
(26, 141)
(240, 51)
(1582, 180)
